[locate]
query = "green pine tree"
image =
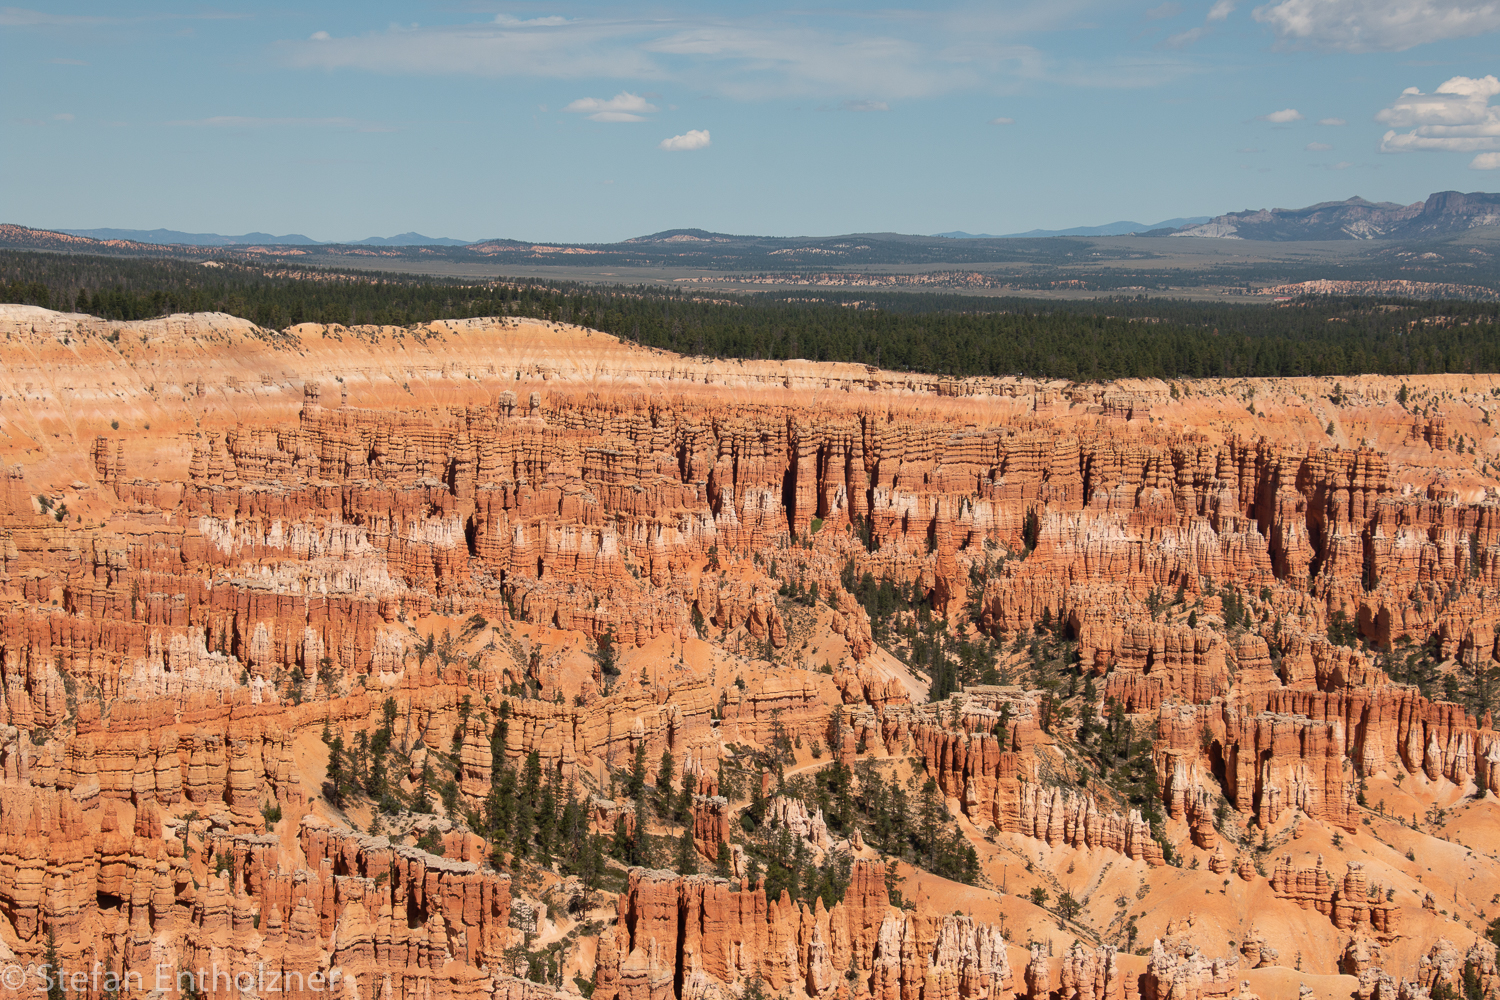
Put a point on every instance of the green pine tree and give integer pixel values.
(686, 860)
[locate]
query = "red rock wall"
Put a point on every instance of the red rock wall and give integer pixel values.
(673, 930)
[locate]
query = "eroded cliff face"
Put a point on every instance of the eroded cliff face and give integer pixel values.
(221, 543)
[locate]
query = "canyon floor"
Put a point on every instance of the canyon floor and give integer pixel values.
(504, 658)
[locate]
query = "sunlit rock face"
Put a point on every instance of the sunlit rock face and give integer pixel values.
(240, 564)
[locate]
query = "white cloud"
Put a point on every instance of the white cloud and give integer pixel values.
(319, 36)
(1002, 121)
(1485, 161)
(1318, 147)
(1168, 9)
(1460, 101)
(1281, 117)
(864, 106)
(1375, 25)
(1221, 10)
(1457, 117)
(1332, 121)
(691, 139)
(623, 107)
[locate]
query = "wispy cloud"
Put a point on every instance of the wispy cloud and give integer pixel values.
(1184, 38)
(864, 106)
(1002, 121)
(692, 139)
(755, 59)
(1220, 11)
(1332, 121)
(570, 50)
(24, 17)
(1281, 117)
(244, 121)
(1318, 147)
(20, 17)
(623, 107)
(1166, 10)
(879, 56)
(1375, 25)
(535, 22)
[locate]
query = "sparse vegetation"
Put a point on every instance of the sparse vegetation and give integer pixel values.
(927, 332)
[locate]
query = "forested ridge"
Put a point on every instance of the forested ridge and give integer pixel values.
(924, 332)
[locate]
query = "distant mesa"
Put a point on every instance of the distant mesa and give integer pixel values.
(410, 240)
(1109, 229)
(685, 236)
(172, 237)
(1441, 214)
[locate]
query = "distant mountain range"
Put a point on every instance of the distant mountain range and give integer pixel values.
(678, 248)
(1441, 214)
(1109, 229)
(171, 237)
(1391, 226)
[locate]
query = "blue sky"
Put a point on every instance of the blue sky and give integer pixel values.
(594, 122)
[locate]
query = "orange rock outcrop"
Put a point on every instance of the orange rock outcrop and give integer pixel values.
(324, 528)
(673, 928)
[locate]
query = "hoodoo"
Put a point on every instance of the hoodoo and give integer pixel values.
(504, 658)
